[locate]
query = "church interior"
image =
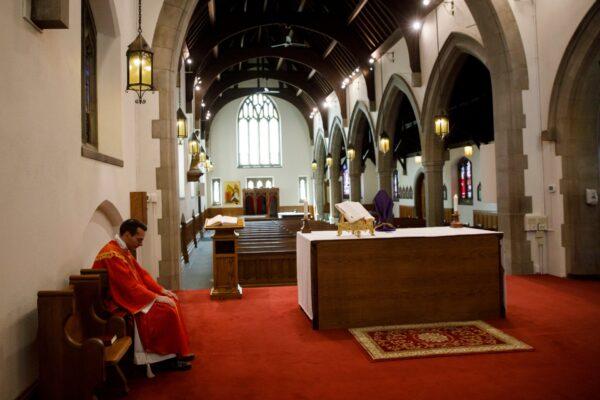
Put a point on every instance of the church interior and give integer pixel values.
(349, 198)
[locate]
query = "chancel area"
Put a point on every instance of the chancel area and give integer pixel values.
(267, 199)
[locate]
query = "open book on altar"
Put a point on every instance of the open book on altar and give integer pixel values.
(219, 220)
(353, 211)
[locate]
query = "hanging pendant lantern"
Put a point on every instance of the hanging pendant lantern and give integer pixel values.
(384, 143)
(181, 125)
(418, 160)
(468, 151)
(139, 63)
(329, 160)
(313, 165)
(351, 152)
(442, 125)
(202, 155)
(194, 145)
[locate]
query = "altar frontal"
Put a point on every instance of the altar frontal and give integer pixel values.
(412, 275)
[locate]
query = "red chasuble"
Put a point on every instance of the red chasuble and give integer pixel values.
(161, 329)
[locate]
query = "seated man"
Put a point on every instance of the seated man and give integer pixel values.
(158, 318)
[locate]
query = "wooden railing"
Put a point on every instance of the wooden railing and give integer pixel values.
(485, 220)
(190, 229)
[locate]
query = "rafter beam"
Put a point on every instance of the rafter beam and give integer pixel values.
(357, 11)
(279, 64)
(294, 79)
(233, 24)
(329, 48)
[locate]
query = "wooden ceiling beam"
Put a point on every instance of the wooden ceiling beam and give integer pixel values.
(329, 48)
(357, 11)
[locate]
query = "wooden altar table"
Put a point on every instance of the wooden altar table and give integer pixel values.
(412, 275)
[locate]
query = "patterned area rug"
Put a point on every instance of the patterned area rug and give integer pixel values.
(439, 339)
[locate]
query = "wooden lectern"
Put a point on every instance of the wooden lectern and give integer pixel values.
(225, 262)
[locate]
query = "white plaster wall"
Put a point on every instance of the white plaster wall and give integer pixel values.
(49, 227)
(296, 152)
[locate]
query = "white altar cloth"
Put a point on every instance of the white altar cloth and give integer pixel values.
(303, 241)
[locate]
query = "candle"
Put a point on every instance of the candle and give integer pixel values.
(455, 208)
(305, 209)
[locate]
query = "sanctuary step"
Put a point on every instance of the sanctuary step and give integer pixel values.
(267, 251)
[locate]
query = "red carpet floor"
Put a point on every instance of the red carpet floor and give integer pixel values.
(262, 347)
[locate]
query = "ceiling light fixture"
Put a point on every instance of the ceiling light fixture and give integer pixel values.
(371, 60)
(426, 2)
(416, 25)
(189, 61)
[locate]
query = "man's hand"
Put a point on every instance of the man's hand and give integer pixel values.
(170, 294)
(166, 300)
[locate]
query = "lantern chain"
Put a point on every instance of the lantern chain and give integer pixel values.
(139, 16)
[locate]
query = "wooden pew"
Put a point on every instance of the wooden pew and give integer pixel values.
(485, 220)
(267, 251)
(72, 365)
(189, 230)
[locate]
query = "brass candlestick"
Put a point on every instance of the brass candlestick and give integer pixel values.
(456, 221)
(306, 225)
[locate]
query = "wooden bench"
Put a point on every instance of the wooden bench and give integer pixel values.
(189, 231)
(77, 355)
(267, 251)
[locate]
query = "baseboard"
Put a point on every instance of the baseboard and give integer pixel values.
(581, 277)
(30, 393)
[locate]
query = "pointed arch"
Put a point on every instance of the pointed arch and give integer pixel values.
(574, 124)
(396, 91)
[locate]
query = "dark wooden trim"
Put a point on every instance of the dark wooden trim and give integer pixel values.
(31, 392)
(88, 151)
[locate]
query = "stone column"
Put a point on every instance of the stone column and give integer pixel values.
(434, 201)
(335, 188)
(355, 186)
(318, 191)
(385, 181)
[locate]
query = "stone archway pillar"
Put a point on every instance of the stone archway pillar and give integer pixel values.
(434, 182)
(318, 190)
(385, 180)
(355, 186)
(335, 188)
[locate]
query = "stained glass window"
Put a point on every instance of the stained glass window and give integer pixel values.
(465, 181)
(89, 98)
(259, 137)
(345, 181)
(395, 185)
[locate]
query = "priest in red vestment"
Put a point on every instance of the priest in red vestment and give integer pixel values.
(158, 317)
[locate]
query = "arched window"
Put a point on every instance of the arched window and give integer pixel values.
(465, 181)
(345, 181)
(89, 98)
(395, 185)
(259, 138)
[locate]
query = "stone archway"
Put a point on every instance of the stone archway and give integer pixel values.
(336, 141)
(574, 123)
(167, 43)
(395, 91)
(503, 54)
(360, 122)
(319, 155)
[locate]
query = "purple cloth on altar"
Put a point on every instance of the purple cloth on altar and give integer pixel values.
(384, 206)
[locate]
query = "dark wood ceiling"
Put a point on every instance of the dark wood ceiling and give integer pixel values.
(230, 41)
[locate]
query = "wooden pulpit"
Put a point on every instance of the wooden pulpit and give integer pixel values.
(225, 262)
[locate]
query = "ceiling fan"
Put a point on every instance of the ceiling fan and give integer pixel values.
(288, 43)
